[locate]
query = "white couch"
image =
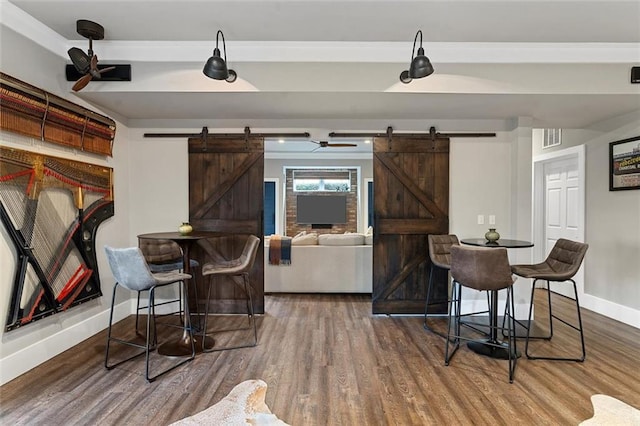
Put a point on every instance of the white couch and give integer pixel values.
(330, 267)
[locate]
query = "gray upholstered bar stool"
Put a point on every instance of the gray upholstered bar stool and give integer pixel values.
(561, 264)
(239, 267)
(131, 271)
(483, 269)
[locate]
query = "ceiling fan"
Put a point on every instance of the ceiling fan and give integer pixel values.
(87, 63)
(327, 144)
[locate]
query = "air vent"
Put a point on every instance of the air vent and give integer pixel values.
(551, 137)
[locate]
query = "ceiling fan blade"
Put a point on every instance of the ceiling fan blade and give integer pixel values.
(105, 69)
(341, 145)
(81, 83)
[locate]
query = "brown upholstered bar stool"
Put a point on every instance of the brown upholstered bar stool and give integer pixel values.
(440, 255)
(165, 256)
(561, 264)
(239, 267)
(483, 269)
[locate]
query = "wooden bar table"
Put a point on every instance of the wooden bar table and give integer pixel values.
(182, 347)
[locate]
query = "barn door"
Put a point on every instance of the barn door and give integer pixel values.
(226, 195)
(411, 200)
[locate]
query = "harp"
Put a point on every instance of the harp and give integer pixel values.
(51, 209)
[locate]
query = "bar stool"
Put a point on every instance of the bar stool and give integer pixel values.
(131, 271)
(165, 256)
(483, 269)
(239, 267)
(440, 255)
(561, 264)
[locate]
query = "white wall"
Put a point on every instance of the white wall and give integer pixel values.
(159, 182)
(612, 226)
(491, 176)
(612, 274)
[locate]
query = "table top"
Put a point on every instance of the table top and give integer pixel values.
(502, 242)
(176, 236)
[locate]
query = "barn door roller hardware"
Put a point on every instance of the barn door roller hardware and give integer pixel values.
(204, 134)
(432, 134)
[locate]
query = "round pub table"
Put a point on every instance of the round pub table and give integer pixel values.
(182, 347)
(501, 352)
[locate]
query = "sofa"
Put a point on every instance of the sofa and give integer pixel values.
(326, 263)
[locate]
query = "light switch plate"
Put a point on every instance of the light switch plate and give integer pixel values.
(480, 219)
(492, 219)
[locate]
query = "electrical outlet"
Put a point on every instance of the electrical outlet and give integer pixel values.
(480, 219)
(492, 219)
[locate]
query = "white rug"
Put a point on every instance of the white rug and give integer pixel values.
(610, 411)
(244, 405)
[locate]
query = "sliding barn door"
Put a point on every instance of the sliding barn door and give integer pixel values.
(226, 195)
(411, 200)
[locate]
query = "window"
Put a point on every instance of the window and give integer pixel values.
(269, 207)
(551, 137)
(321, 181)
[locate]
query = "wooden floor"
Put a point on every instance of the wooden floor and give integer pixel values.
(328, 361)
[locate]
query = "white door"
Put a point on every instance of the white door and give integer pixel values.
(563, 211)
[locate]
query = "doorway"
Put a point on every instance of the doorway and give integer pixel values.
(559, 204)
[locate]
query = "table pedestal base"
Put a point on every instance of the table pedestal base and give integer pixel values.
(182, 347)
(499, 352)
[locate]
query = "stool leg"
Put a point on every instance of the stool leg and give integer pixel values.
(206, 317)
(113, 301)
(513, 349)
(428, 300)
(150, 315)
(252, 317)
(551, 317)
(454, 305)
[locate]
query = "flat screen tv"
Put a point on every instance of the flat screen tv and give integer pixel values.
(322, 209)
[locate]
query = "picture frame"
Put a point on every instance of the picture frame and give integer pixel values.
(624, 164)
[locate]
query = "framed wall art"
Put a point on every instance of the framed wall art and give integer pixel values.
(624, 164)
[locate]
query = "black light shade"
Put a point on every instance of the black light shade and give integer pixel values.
(216, 66)
(80, 60)
(420, 65)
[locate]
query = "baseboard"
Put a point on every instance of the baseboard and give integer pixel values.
(30, 357)
(611, 310)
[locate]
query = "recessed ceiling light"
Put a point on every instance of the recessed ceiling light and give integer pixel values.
(367, 141)
(280, 140)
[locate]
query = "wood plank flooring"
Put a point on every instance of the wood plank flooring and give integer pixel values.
(328, 361)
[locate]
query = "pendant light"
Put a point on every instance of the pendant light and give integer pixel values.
(216, 67)
(420, 64)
